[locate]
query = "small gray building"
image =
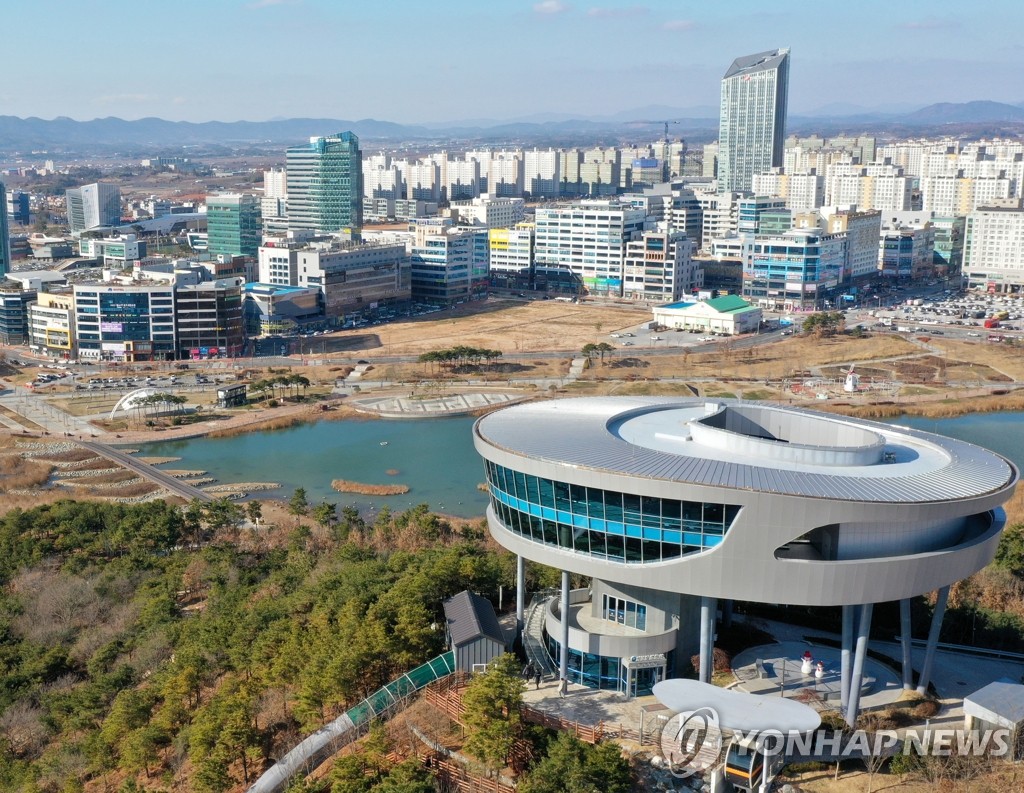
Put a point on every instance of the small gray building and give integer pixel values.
(474, 634)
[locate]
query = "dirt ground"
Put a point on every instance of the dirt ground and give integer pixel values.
(512, 326)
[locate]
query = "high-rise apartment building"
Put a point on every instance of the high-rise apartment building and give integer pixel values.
(994, 251)
(325, 184)
(752, 121)
(233, 222)
(92, 206)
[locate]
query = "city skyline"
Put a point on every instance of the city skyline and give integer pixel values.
(430, 63)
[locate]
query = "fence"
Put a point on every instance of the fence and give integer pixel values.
(326, 741)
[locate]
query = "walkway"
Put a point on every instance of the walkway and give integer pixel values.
(166, 481)
(440, 405)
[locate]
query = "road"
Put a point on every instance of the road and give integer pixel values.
(153, 474)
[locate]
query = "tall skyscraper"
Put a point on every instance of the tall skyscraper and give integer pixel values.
(325, 184)
(92, 206)
(5, 236)
(752, 122)
(233, 223)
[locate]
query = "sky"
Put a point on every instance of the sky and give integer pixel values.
(420, 61)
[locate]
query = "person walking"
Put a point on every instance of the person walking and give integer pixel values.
(563, 687)
(536, 678)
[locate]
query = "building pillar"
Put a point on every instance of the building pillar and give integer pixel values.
(933, 639)
(520, 594)
(857, 676)
(563, 658)
(905, 636)
(844, 656)
(707, 638)
(727, 613)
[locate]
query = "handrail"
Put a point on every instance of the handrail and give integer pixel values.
(306, 756)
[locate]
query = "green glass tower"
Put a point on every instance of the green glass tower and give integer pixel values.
(5, 235)
(325, 184)
(234, 224)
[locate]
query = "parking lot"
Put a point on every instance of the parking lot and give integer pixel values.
(968, 315)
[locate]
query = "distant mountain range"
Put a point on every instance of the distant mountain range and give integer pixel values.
(66, 134)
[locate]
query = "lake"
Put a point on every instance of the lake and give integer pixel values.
(434, 457)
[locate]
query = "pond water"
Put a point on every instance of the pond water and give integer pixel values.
(434, 457)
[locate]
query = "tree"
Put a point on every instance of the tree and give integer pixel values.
(324, 514)
(492, 703)
(602, 348)
(254, 511)
(571, 766)
(298, 505)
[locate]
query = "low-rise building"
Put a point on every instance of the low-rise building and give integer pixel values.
(659, 267)
(208, 319)
(51, 324)
(730, 315)
(129, 323)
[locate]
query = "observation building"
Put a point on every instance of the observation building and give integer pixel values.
(674, 508)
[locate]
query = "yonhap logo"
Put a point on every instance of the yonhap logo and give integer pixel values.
(691, 742)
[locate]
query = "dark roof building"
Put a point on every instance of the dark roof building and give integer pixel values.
(476, 637)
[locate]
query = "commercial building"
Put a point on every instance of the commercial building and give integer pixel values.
(234, 224)
(5, 234)
(119, 251)
(93, 206)
(800, 270)
(728, 315)
(18, 207)
(752, 121)
(325, 184)
(583, 245)
(994, 248)
(673, 508)
(14, 321)
(270, 308)
(511, 256)
(51, 324)
(659, 267)
(448, 265)
(491, 212)
(125, 323)
(208, 319)
(354, 278)
(906, 252)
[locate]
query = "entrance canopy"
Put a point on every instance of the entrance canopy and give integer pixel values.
(736, 710)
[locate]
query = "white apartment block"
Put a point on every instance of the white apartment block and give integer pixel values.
(994, 250)
(542, 173)
(462, 179)
(275, 183)
(505, 175)
(382, 181)
(954, 195)
(489, 212)
(588, 239)
(659, 268)
(423, 181)
(876, 186)
(719, 216)
(802, 192)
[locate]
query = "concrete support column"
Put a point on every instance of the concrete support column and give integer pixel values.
(857, 676)
(727, 613)
(707, 638)
(563, 658)
(520, 594)
(844, 657)
(933, 640)
(905, 636)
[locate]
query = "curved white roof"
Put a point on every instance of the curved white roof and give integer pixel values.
(750, 446)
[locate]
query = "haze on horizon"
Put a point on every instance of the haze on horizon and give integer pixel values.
(410, 61)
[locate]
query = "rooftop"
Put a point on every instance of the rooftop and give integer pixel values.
(749, 446)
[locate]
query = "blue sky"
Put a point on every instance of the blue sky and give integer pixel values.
(445, 60)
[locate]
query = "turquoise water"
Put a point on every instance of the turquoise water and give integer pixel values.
(1003, 433)
(434, 457)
